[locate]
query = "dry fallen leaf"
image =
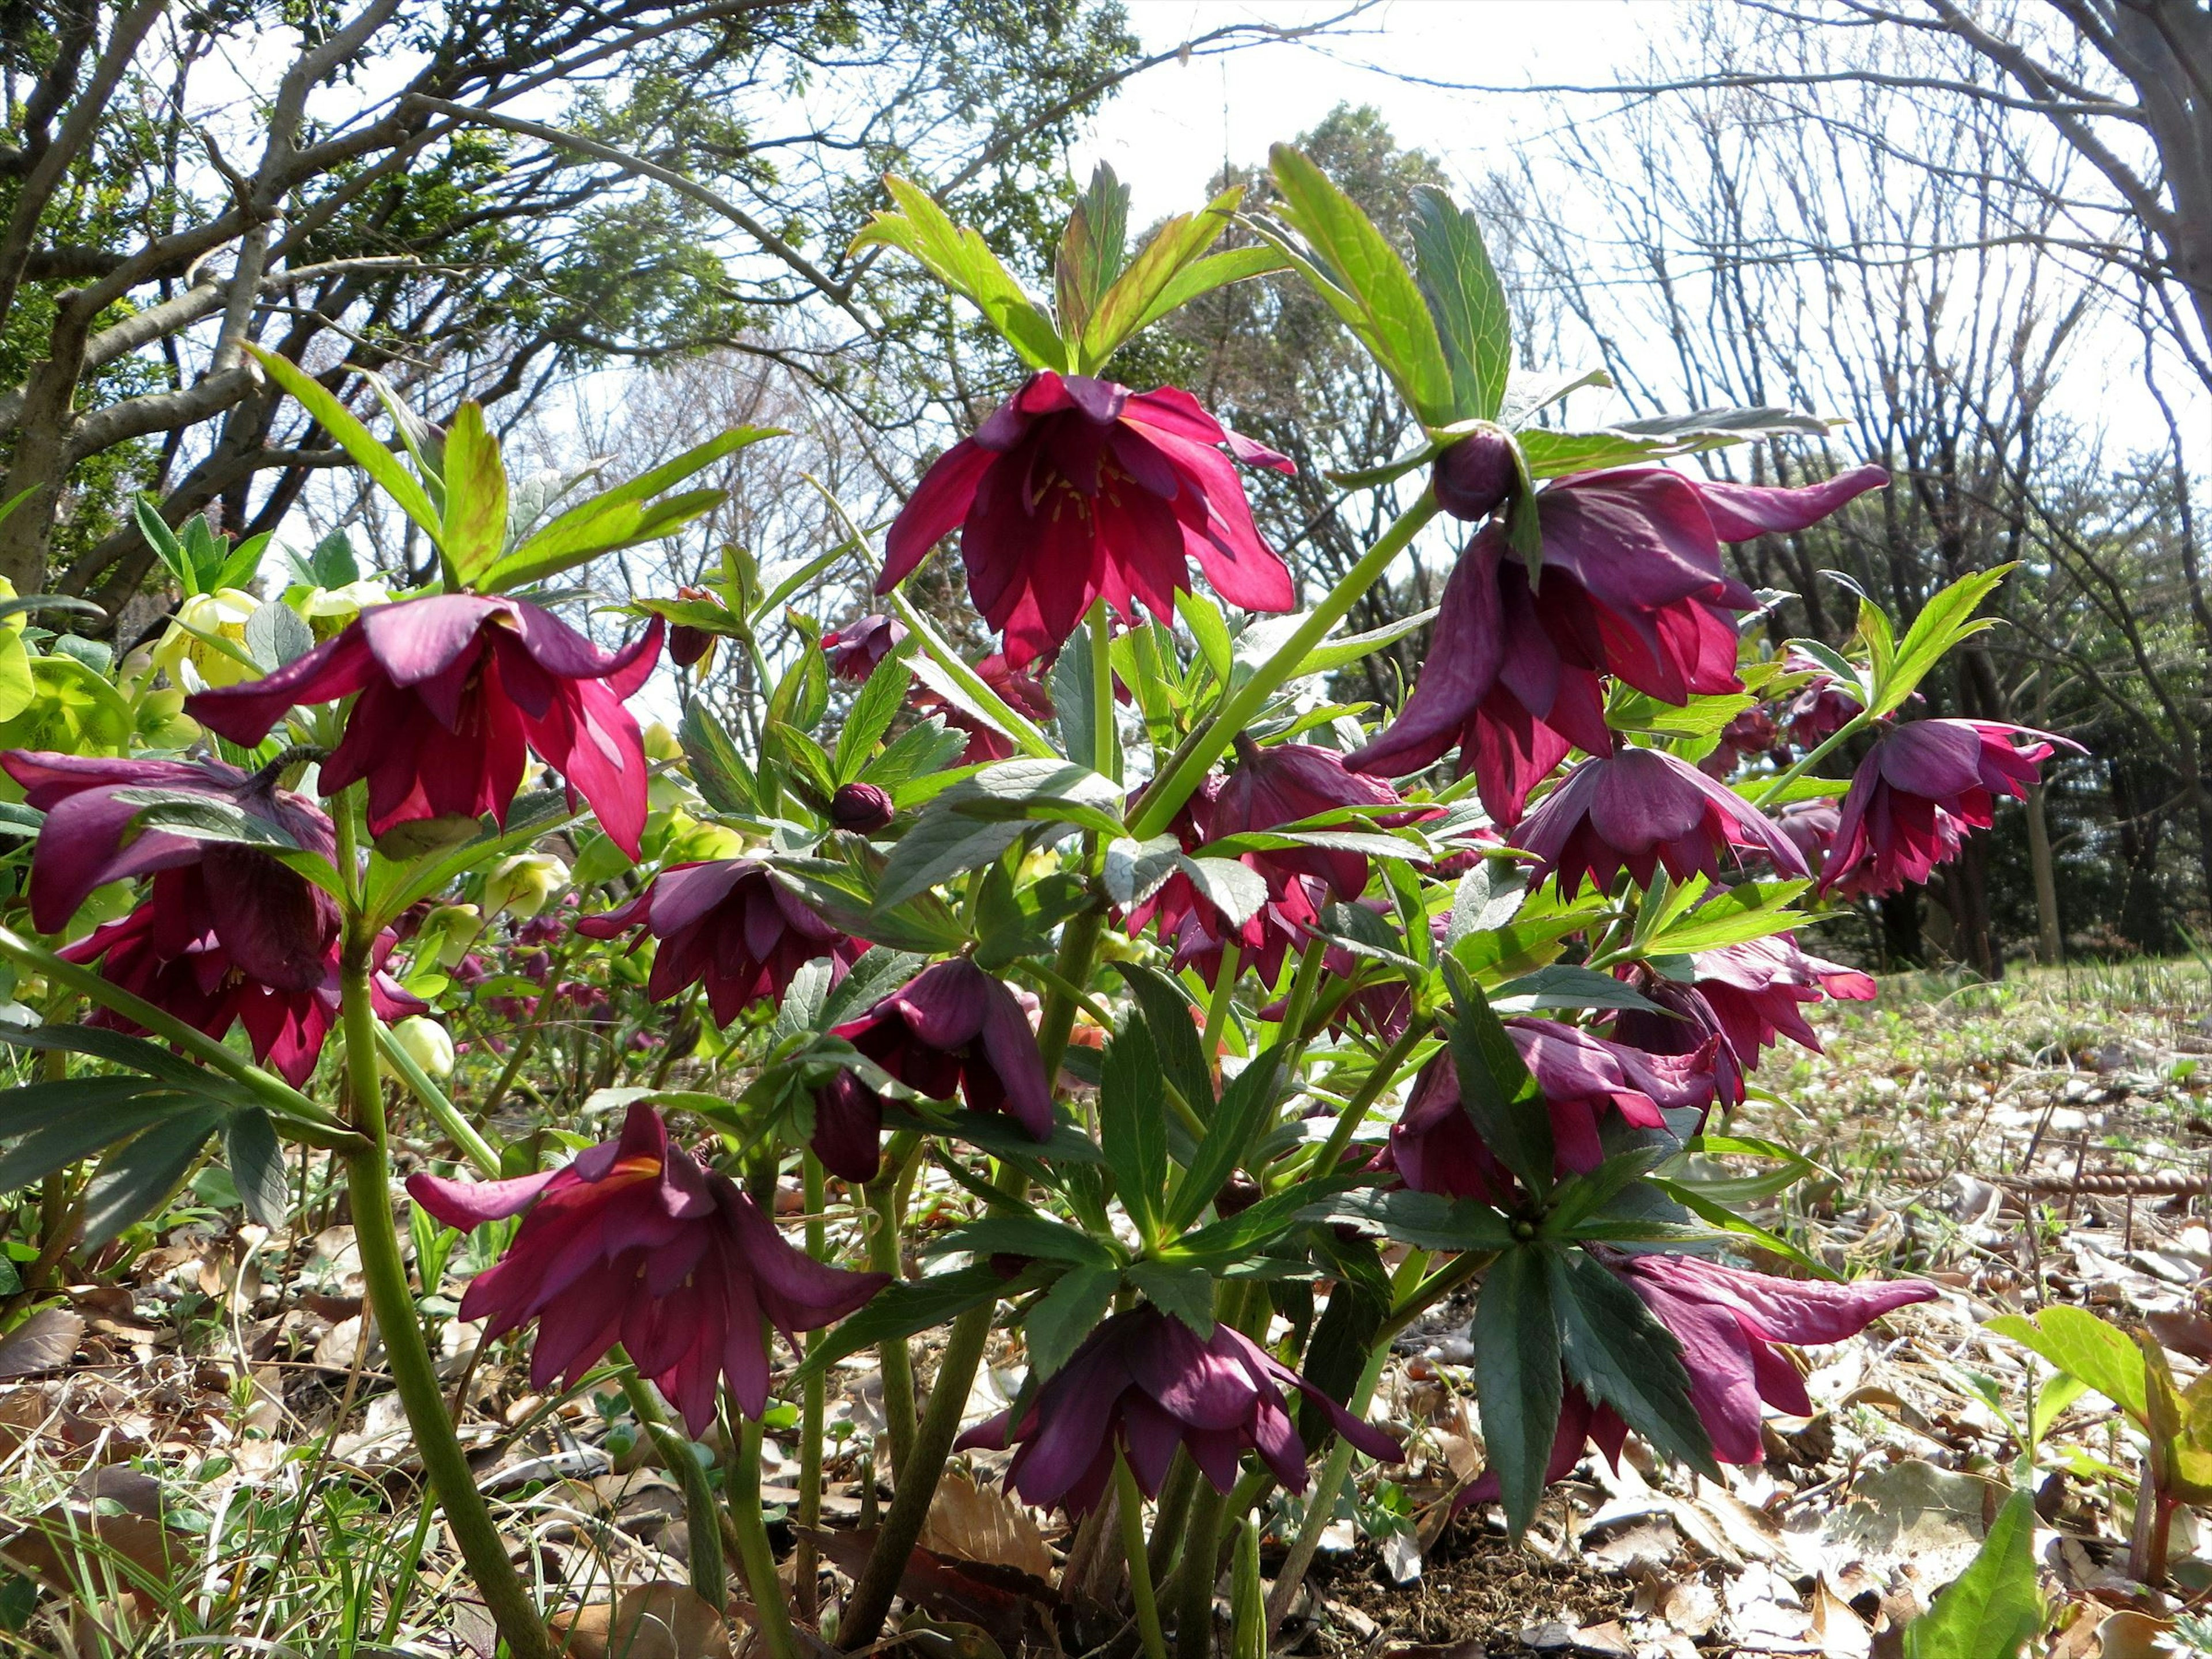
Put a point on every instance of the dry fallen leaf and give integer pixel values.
(44, 1342)
(981, 1524)
(658, 1621)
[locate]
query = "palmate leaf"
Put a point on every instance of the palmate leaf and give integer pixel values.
(1466, 299)
(1517, 1378)
(1622, 1357)
(959, 258)
(132, 1182)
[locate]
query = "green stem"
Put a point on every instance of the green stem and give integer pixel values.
(462, 1133)
(1249, 1638)
(703, 1527)
(894, 1363)
(1170, 1512)
(368, 1185)
(1202, 1553)
(1216, 1008)
(1078, 951)
(1243, 705)
(1105, 751)
(754, 1554)
(1131, 1505)
(1811, 758)
(863, 1618)
(1355, 1111)
(811, 1405)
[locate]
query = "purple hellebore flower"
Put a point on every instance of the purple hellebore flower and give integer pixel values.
(953, 1029)
(453, 688)
(634, 1242)
(1287, 783)
(1144, 1383)
(1811, 826)
(1642, 808)
(855, 651)
(849, 1125)
(730, 924)
(275, 925)
(170, 952)
(1632, 586)
(1476, 476)
(1921, 787)
(1819, 709)
(1077, 490)
(1729, 1322)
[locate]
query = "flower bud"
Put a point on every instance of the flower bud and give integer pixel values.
(326, 610)
(447, 933)
(688, 646)
(860, 807)
(427, 1044)
(1476, 476)
(520, 886)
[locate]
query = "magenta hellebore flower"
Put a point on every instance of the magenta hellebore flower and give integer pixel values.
(634, 1243)
(953, 1029)
(861, 808)
(1644, 808)
(1920, 788)
(275, 925)
(855, 651)
(1077, 490)
(1729, 1322)
(169, 952)
(1146, 1383)
(1436, 1148)
(1811, 826)
(1820, 708)
(1630, 585)
(453, 689)
(730, 924)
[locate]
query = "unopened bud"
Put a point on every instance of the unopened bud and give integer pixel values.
(860, 807)
(1476, 476)
(427, 1044)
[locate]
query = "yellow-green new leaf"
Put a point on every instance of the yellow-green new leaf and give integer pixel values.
(374, 457)
(475, 529)
(960, 259)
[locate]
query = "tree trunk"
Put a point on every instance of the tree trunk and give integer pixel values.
(1966, 896)
(2050, 939)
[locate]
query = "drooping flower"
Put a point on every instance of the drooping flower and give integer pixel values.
(1921, 786)
(1077, 488)
(1820, 708)
(688, 646)
(453, 688)
(1435, 1146)
(1630, 585)
(276, 926)
(168, 952)
(1729, 1322)
(1642, 808)
(955, 1030)
(730, 924)
(634, 1242)
(1476, 476)
(1811, 826)
(848, 1127)
(854, 652)
(1025, 693)
(1746, 994)
(1751, 733)
(1146, 1383)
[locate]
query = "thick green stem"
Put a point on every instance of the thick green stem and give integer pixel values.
(1105, 750)
(754, 1554)
(1356, 1110)
(1131, 1505)
(1170, 1512)
(863, 1618)
(1217, 1007)
(810, 1406)
(1201, 1554)
(894, 1362)
(1078, 951)
(458, 1130)
(368, 1179)
(1243, 706)
(702, 1525)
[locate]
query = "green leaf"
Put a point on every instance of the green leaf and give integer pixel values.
(1428, 1221)
(1074, 691)
(1203, 617)
(1367, 284)
(1332, 654)
(163, 540)
(1058, 1321)
(625, 515)
(275, 636)
(1135, 870)
(1133, 298)
(1516, 1377)
(130, 1183)
(373, 457)
(1750, 910)
(1562, 985)
(1168, 1019)
(116, 1049)
(873, 710)
(1247, 1107)
(2081, 1345)
(59, 1142)
(1622, 1357)
(959, 258)
(718, 767)
(1013, 1234)
(1091, 249)
(907, 1306)
(1992, 1610)
(1488, 898)
(1132, 1124)
(256, 1159)
(1947, 618)
(1467, 300)
(1495, 1088)
(1231, 886)
(1186, 1292)
(474, 522)
(1200, 277)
